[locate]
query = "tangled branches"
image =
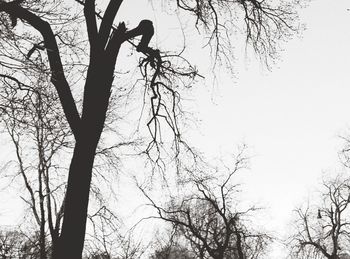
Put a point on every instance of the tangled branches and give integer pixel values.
(163, 74)
(264, 23)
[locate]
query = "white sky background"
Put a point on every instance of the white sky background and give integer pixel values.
(290, 117)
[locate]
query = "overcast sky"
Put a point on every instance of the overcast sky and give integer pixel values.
(290, 117)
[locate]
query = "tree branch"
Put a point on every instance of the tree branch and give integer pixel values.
(57, 74)
(107, 20)
(90, 18)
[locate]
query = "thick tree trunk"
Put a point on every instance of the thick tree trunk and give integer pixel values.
(96, 97)
(42, 242)
(54, 248)
(71, 242)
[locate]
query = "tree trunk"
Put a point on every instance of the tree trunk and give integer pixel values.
(71, 242)
(96, 98)
(42, 242)
(239, 245)
(42, 236)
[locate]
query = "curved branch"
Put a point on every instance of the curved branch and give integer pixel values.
(57, 74)
(146, 30)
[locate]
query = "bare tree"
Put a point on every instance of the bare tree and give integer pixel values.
(107, 241)
(56, 27)
(10, 243)
(172, 252)
(208, 217)
(168, 245)
(323, 230)
(16, 244)
(35, 124)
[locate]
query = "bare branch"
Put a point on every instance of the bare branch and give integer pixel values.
(58, 78)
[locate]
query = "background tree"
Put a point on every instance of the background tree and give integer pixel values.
(209, 219)
(32, 118)
(107, 239)
(14, 243)
(10, 244)
(322, 230)
(264, 23)
(169, 246)
(172, 252)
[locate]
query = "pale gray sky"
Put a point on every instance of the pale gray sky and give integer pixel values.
(290, 117)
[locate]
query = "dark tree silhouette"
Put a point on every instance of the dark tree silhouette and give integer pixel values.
(209, 220)
(322, 231)
(53, 25)
(41, 139)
